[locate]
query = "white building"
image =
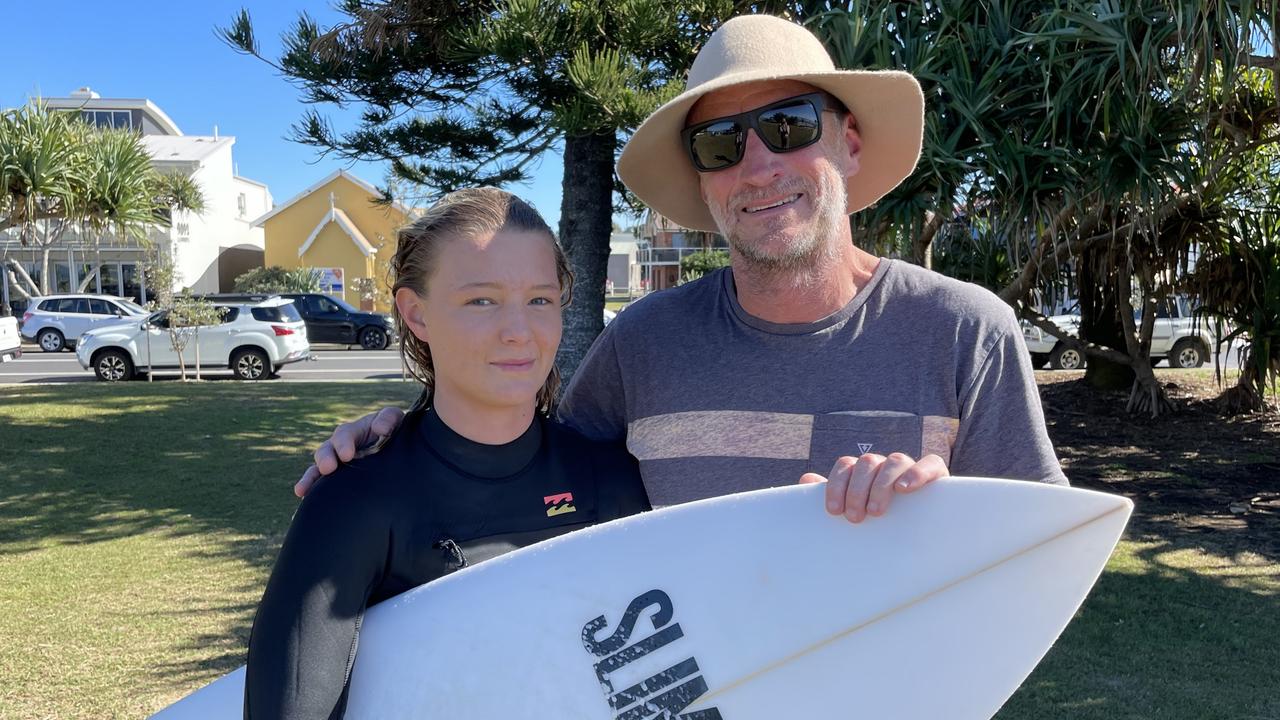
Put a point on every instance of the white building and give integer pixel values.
(209, 249)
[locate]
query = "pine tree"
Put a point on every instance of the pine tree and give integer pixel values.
(457, 94)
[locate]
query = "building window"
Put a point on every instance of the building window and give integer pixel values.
(108, 118)
(242, 205)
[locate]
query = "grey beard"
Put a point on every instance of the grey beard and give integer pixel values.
(801, 264)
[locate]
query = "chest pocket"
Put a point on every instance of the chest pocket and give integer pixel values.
(854, 433)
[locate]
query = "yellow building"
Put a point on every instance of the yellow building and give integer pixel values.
(336, 226)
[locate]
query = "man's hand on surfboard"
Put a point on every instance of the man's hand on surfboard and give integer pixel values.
(865, 485)
(347, 440)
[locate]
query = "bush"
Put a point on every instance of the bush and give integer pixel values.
(695, 265)
(276, 279)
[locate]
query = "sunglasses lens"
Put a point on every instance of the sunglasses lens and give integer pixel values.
(790, 127)
(717, 145)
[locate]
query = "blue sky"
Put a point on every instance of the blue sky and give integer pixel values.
(167, 52)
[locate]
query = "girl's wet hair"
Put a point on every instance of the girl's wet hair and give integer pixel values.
(469, 213)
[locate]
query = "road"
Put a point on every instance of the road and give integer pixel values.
(332, 363)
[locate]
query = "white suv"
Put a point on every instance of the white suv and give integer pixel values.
(254, 340)
(56, 322)
(1176, 335)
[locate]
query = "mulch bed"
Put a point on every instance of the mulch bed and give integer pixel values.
(1195, 474)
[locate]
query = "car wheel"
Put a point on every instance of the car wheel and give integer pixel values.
(51, 340)
(250, 364)
(1186, 354)
(1065, 357)
(113, 366)
(372, 338)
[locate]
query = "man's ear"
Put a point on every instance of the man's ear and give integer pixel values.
(410, 307)
(853, 143)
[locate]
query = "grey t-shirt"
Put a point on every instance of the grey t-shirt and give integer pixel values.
(712, 400)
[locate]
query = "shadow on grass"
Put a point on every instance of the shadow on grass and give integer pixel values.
(1184, 471)
(93, 463)
(1159, 641)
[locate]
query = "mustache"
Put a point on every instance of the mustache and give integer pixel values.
(786, 186)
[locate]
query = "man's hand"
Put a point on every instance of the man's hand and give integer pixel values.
(862, 486)
(347, 440)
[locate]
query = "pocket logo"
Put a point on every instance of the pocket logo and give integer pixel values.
(864, 448)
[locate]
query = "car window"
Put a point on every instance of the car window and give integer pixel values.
(101, 307)
(265, 314)
(132, 307)
(230, 314)
(63, 305)
(289, 313)
(328, 306)
(82, 306)
(48, 306)
(342, 305)
(160, 320)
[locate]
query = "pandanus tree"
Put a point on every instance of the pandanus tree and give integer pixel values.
(1105, 139)
(59, 175)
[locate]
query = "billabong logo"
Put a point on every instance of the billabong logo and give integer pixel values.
(559, 504)
(649, 698)
(864, 448)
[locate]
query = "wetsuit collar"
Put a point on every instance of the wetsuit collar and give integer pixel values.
(469, 457)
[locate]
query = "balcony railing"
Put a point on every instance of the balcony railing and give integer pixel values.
(664, 256)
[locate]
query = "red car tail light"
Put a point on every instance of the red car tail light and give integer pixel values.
(282, 330)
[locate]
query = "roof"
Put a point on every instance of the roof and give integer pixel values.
(90, 103)
(183, 148)
(243, 179)
(325, 181)
(344, 222)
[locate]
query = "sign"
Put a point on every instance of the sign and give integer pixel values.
(331, 280)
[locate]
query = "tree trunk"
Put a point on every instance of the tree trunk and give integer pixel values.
(44, 269)
(586, 222)
(18, 274)
(97, 266)
(1100, 320)
(922, 244)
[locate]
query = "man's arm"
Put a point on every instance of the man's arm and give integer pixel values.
(1002, 430)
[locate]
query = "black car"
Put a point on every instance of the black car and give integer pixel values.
(330, 320)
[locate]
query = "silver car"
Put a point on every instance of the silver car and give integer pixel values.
(55, 322)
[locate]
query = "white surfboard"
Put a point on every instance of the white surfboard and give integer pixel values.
(745, 607)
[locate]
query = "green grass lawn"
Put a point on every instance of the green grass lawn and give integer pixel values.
(138, 522)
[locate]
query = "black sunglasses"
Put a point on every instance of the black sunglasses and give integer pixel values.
(783, 126)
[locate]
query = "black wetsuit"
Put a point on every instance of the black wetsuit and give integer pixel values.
(428, 503)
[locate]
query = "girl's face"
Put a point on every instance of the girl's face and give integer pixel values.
(491, 317)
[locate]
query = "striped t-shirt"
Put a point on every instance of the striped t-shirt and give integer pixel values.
(712, 400)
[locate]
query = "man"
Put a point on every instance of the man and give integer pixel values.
(807, 355)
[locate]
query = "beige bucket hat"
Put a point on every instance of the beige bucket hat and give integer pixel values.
(887, 104)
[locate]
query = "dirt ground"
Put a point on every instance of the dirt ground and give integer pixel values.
(1210, 480)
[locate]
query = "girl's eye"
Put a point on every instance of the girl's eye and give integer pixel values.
(541, 301)
(480, 301)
